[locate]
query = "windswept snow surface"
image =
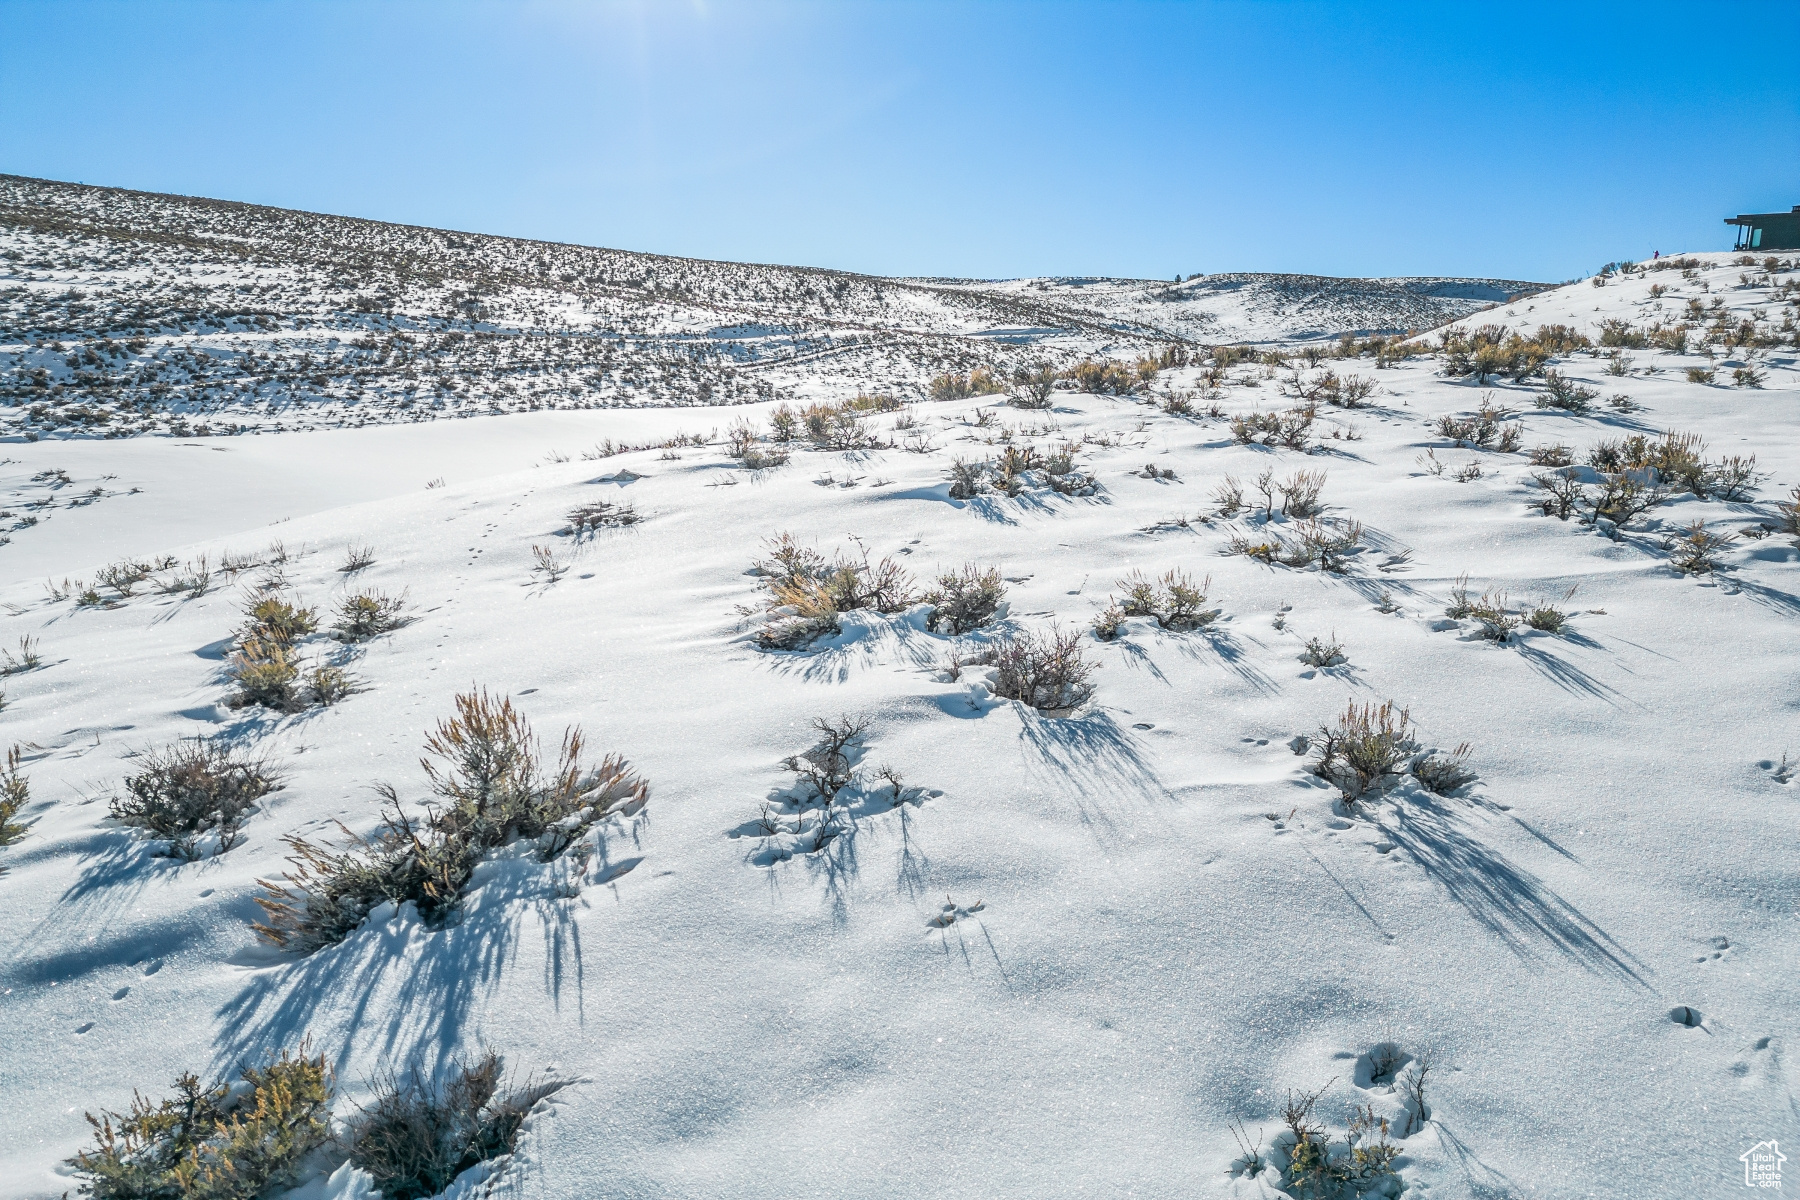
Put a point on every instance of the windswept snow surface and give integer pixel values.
(1086, 945)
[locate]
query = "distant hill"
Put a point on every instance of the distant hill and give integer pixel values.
(125, 312)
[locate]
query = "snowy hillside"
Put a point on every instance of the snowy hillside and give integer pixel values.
(1088, 949)
(1245, 306)
(127, 312)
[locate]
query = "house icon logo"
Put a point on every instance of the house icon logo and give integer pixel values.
(1762, 1165)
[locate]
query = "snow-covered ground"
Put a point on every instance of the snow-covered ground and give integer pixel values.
(1087, 945)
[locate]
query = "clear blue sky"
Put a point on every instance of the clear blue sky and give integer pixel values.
(969, 138)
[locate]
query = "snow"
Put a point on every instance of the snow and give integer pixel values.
(1089, 944)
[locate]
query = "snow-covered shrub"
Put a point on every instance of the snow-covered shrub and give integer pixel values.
(1316, 1170)
(213, 1142)
(1553, 455)
(591, 518)
(1034, 383)
(266, 676)
(1566, 394)
(415, 1140)
(546, 566)
(784, 424)
(979, 382)
(1175, 600)
(1367, 745)
(758, 458)
(28, 660)
(271, 619)
(1103, 378)
(1019, 469)
(1107, 621)
(1318, 541)
(1494, 350)
(806, 592)
(1044, 670)
(1319, 653)
(1229, 496)
(965, 599)
(1789, 512)
(15, 794)
(1354, 392)
(1621, 499)
(192, 579)
(326, 684)
(1300, 493)
(1563, 492)
(1497, 623)
(124, 576)
(192, 788)
(1443, 774)
(1696, 551)
(1546, 617)
(1292, 428)
(741, 438)
(1485, 429)
(357, 558)
(490, 785)
(1733, 477)
(368, 614)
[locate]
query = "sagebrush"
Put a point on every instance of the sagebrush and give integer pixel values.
(490, 786)
(213, 1142)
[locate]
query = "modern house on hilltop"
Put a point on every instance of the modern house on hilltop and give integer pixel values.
(1767, 231)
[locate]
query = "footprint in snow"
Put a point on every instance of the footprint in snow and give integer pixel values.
(1687, 1016)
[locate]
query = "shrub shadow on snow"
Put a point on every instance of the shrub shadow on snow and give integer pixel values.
(1782, 602)
(1484, 1182)
(1138, 658)
(1509, 901)
(839, 864)
(1330, 448)
(407, 992)
(1373, 587)
(1088, 759)
(867, 640)
(992, 508)
(1229, 651)
(955, 930)
(1567, 675)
